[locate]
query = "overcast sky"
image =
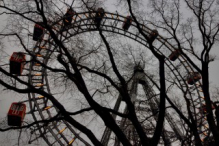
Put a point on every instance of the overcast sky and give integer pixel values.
(6, 97)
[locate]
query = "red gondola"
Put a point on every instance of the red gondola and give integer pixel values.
(38, 31)
(193, 77)
(99, 16)
(127, 23)
(17, 62)
(68, 16)
(174, 55)
(16, 114)
(153, 35)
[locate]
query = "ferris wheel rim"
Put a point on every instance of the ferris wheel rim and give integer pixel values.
(160, 38)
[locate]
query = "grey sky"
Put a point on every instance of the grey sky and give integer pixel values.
(6, 97)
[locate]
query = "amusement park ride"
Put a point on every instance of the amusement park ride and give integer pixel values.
(108, 22)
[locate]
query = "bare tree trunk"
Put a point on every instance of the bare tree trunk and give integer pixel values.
(210, 117)
(160, 122)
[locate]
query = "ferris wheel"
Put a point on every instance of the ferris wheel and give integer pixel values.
(60, 132)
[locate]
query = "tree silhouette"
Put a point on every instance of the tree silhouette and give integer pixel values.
(98, 65)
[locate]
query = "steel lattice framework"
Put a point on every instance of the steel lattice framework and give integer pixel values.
(153, 101)
(63, 133)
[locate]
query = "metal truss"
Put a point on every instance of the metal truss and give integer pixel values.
(83, 22)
